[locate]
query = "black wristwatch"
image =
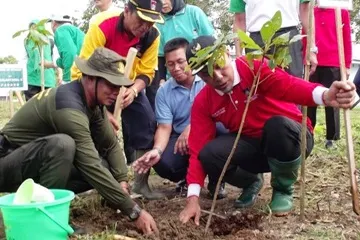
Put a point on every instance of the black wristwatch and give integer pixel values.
(134, 215)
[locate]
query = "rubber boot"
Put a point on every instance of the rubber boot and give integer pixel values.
(141, 185)
(283, 177)
(250, 183)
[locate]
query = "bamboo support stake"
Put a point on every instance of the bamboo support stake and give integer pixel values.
(349, 141)
(21, 100)
(11, 102)
(310, 38)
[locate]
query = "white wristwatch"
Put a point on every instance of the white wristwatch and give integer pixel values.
(314, 50)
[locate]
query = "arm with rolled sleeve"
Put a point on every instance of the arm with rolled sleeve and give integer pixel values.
(76, 124)
(67, 51)
(202, 131)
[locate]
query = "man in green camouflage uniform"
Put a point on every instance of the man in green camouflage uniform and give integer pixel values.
(57, 138)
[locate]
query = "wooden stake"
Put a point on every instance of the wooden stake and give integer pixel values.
(21, 100)
(349, 141)
(310, 38)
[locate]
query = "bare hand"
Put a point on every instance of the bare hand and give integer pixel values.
(341, 94)
(191, 210)
(182, 144)
(313, 62)
(144, 163)
(146, 223)
(113, 121)
(128, 97)
(125, 187)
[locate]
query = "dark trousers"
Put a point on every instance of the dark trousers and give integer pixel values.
(280, 140)
(296, 66)
(326, 76)
(32, 90)
(138, 122)
(48, 161)
(152, 90)
(172, 166)
(357, 82)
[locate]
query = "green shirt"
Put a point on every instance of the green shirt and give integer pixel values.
(68, 40)
(64, 110)
(33, 65)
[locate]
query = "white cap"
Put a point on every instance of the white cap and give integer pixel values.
(61, 18)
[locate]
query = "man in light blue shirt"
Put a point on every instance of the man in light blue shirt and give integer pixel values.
(169, 156)
(181, 20)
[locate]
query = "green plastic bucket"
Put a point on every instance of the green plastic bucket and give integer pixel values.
(40, 221)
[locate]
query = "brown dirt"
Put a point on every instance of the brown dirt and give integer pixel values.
(241, 225)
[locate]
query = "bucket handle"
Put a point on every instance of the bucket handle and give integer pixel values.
(67, 228)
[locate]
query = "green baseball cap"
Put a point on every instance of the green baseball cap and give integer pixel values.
(107, 64)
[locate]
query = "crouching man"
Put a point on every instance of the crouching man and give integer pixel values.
(56, 138)
(270, 139)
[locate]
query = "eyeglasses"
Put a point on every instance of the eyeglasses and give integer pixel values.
(171, 65)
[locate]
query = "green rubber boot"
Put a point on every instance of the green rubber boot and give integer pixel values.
(141, 185)
(283, 177)
(250, 183)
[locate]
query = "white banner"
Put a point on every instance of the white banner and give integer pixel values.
(13, 77)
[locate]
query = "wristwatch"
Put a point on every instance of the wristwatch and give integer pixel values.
(134, 215)
(314, 50)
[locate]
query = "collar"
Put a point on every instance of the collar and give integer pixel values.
(174, 84)
(236, 78)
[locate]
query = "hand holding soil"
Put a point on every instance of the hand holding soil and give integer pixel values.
(146, 223)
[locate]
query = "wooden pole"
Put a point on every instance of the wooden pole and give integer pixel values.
(310, 38)
(130, 58)
(42, 70)
(21, 100)
(349, 141)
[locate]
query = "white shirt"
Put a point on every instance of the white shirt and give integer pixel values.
(260, 11)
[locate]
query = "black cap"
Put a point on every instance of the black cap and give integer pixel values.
(149, 10)
(196, 45)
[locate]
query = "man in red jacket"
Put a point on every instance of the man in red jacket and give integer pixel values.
(270, 139)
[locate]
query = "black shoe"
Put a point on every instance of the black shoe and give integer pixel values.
(329, 144)
(181, 186)
(211, 188)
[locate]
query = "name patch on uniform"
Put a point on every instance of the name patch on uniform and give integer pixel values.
(219, 112)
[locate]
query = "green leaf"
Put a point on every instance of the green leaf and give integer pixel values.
(268, 30)
(45, 32)
(296, 38)
(271, 64)
(282, 39)
(42, 22)
(18, 33)
(246, 41)
(210, 67)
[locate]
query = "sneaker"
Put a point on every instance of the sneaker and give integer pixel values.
(211, 188)
(181, 186)
(329, 144)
